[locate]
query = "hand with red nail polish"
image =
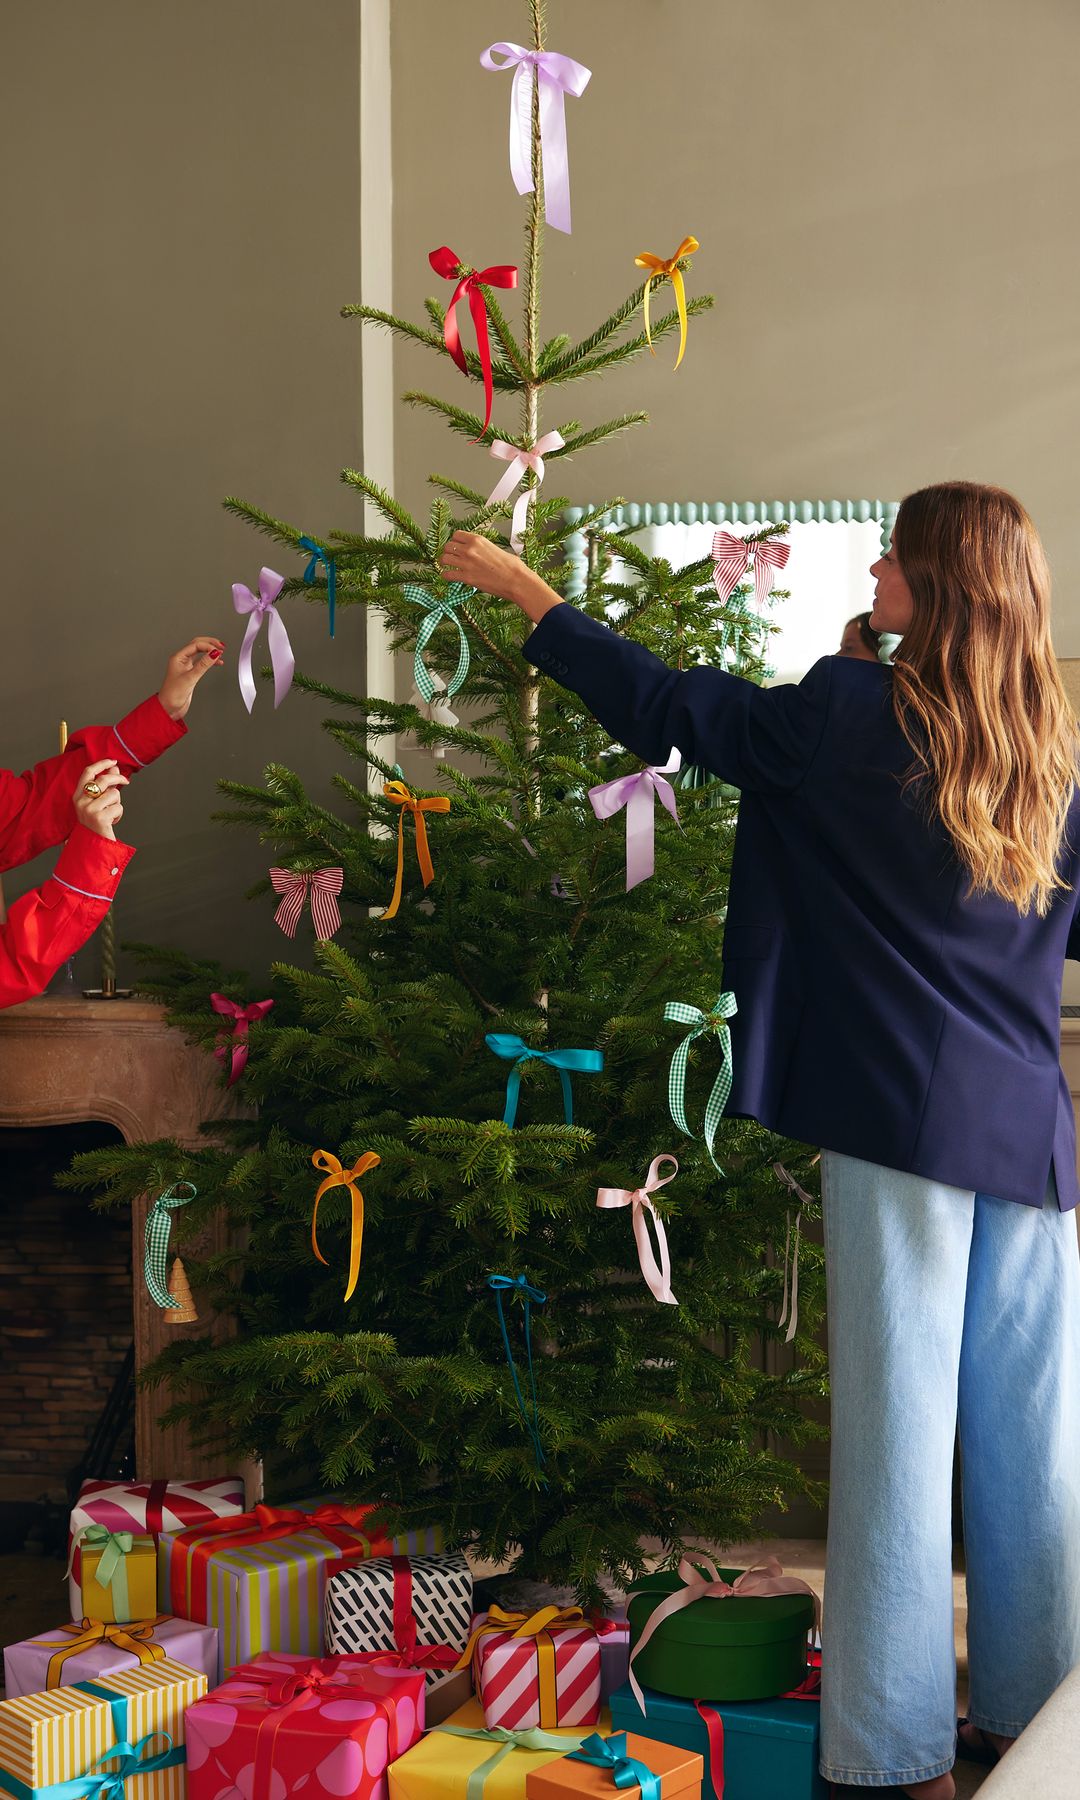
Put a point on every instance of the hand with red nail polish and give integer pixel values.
(186, 669)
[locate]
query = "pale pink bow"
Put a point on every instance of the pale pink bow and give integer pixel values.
(763, 1581)
(242, 1017)
(323, 885)
(734, 557)
(637, 794)
(521, 461)
(655, 1269)
(804, 1199)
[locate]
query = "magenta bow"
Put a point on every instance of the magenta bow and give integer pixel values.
(242, 1017)
(656, 1270)
(323, 885)
(734, 557)
(281, 655)
(446, 263)
(763, 1581)
(636, 793)
(557, 76)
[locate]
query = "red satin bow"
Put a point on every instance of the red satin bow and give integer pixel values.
(287, 1692)
(447, 263)
(242, 1017)
(342, 1525)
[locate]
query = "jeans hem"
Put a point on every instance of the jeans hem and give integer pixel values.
(1003, 1727)
(872, 1778)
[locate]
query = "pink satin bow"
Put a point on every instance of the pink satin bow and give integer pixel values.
(804, 1199)
(763, 1581)
(446, 263)
(521, 461)
(636, 793)
(734, 557)
(281, 655)
(558, 76)
(323, 885)
(656, 1270)
(242, 1017)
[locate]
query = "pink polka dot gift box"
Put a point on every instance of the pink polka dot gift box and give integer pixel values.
(320, 1728)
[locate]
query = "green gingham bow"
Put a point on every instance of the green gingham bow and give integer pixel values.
(155, 1269)
(715, 1022)
(439, 608)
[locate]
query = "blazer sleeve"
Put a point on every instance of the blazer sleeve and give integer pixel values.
(755, 738)
(36, 807)
(48, 925)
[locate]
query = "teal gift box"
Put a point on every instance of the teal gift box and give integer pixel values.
(771, 1747)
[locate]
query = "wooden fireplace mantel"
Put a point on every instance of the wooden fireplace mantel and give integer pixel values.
(65, 1059)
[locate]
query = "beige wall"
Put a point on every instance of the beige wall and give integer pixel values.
(179, 186)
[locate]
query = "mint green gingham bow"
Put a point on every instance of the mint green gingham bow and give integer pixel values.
(156, 1241)
(716, 1023)
(531, 1739)
(114, 1547)
(438, 608)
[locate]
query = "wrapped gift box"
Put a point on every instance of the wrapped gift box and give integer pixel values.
(281, 1724)
(549, 1676)
(148, 1506)
(93, 1649)
(746, 1647)
(260, 1576)
(680, 1772)
(766, 1750)
(390, 1602)
(446, 1766)
(64, 1735)
(129, 1591)
(614, 1656)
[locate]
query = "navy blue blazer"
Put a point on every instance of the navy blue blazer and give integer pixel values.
(880, 1012)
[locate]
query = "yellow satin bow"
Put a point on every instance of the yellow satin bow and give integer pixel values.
(530, 1625)
(399, 795)
(337, 1176)
(668, 266)
(136, 1638)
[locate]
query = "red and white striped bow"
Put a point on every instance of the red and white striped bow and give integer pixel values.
(734, 557)
(323, 885)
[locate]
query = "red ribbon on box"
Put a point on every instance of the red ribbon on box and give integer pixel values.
(341, 1525)
(810, 1689)
(287, 1692)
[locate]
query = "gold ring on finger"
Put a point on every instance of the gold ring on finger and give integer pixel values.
(93, 790)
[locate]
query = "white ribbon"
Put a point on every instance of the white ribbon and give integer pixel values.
(436, 710)
(521, 461)
(804, 1199)
(655, 1269)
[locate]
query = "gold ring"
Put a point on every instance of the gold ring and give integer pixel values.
(93, 790)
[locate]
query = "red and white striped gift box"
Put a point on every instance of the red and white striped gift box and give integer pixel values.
(148, 1507)
(508, 1677)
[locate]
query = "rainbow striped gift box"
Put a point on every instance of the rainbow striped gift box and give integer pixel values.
(64, 1734)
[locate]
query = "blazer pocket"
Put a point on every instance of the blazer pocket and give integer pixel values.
(753, 941)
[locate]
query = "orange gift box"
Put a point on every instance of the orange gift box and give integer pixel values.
(681, 1772)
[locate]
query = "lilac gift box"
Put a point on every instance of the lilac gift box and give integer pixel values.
(26, 1665)
(614, 1659)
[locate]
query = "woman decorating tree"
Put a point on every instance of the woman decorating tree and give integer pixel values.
(75, 800)
(903, 896)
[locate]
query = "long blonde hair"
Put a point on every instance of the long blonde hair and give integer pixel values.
(977, 692)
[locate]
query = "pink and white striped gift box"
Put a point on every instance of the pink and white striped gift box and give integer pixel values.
(508, 1677)
(148, 1506)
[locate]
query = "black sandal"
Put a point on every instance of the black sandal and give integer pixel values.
(986, 1753)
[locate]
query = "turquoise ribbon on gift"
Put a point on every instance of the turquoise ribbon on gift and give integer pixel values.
(98, 1784)
(111, 1569)
(156, 1241)
(319, 555)
(519, 1284)
(439, 608)
(714, 1022)
(533, 1739)
(626, 1771)
(511, 1048)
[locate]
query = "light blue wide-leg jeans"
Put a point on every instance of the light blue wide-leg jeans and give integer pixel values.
(945, 1304)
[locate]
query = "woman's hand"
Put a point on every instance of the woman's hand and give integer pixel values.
(186, 669)
(479, 563)
(101, 810)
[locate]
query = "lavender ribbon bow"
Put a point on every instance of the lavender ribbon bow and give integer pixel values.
(281, 655)
(558, 76)
(637, 793)
(803, 1198)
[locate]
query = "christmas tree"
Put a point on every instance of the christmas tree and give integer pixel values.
(560, 1416)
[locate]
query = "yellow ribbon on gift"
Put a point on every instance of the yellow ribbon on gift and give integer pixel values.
(399, 795)
(338, 1176)
(669, 266)
(136, 1638)
(530, 1625)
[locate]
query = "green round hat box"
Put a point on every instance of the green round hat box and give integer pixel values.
(750, 1647)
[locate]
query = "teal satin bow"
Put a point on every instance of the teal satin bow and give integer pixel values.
(109, 1785)
(501, 1284)
(509, 1047)
(111, 1569)
(438, 609)
(319, 555)
(626, 1771)
(533, 1739)
(715, 1021)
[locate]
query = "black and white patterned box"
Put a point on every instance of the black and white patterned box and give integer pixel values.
(360, 1604)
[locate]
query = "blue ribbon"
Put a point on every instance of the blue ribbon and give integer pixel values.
(319, 555)
(515, 1049)
(105, 1784)
(626, 1771)
(501, 1284)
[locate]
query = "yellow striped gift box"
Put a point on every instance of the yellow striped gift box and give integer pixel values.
(58, 1736)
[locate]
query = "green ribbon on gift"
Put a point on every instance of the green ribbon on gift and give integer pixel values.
(99, 1784)
(533, 1739)
(715, 1023)
(111, 1569)
(156, 1241)
(439, 608)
